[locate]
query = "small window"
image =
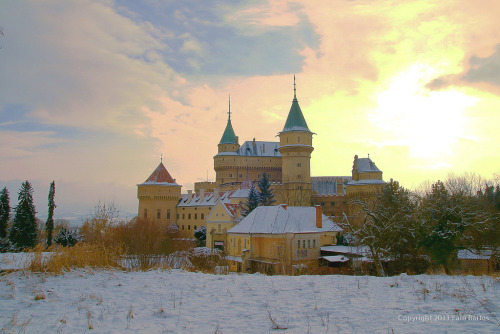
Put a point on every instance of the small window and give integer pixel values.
(195, 216)
(303, 244)
(219, 228)
(332, 203)
(298, 244)
(298, 139)
(308, 243)
(299, 176)
(189, 227)
(168, 213)
(183, 227)
(322, 203)
(183, 216)
(202, 216)
(158, 214)
(145, 213)
(230, 175)
(299, 164)
(314, 243)
(241, 175)
(177, 216)
(245, 246)
(189, 216)
(194, 227)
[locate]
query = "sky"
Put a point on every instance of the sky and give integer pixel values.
(93, 93)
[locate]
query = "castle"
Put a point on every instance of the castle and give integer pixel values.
(237, 167)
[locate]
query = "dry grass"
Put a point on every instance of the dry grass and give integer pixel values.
(80, 256)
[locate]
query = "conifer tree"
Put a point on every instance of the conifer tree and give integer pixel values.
(252, 201)
(49, 225)
(4, 212)
(23, 231)
(266, 196)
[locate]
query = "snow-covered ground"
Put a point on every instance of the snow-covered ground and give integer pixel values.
(176, 301)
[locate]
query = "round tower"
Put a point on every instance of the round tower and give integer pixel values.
(295, 148)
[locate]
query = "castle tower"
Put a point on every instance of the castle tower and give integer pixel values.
(158, 196)
(228, 147)
(295, 148)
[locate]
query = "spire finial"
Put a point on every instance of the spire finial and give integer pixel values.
(161, 157)
(294, 89)
(229, 112)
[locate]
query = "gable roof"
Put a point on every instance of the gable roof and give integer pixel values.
(277, 220)
(160, 176)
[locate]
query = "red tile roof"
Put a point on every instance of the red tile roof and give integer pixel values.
(160, 174)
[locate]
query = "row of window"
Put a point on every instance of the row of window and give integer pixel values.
(158, 215)
(303, 243)
(188, 227)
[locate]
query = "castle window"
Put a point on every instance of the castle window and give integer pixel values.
(158, 214)
(195, 227)
(189, 216)
(195, 216)
(219, 228)
(322, 203)
(241, 175)
(299, 187)
(177, 216)
(314, 243)
(189, 227)
(303, 244)
(332, 203)
(298, 244)
(299, 164)
(230, 175)
(202, 216)
(183, 216)
(299, 176)
(145, 213)
(308, 243)
(168, 214)
(245, 246)
(183, 227)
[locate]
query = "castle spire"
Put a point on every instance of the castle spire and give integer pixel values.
(228, 137)
(295, 120)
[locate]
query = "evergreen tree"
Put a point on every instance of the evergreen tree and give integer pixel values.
(4, 212)
(49, 225)
(266, 196)
(443, 224)
(66, 238)
(201, 236)
(252, 201)
(23, 231)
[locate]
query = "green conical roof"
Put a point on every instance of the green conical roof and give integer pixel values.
(295, 120)
(228, 137)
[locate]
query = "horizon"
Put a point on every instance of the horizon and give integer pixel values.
(95, 92)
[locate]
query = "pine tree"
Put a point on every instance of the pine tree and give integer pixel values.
(4, 212)
(66, 238)
(49, 225)
(252, 201)
(266, 196)
(23, 231)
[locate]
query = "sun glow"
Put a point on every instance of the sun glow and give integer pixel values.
(428, 122)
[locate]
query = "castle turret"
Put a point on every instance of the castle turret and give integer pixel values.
(158, 196)
(295, 148)
(229, 141)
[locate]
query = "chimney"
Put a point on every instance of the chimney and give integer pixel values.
(190, 195)
(216, 194)
(202, 194)
(283, 206)
(319, 216)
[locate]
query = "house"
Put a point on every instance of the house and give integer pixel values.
(477, 262)
(276, 239)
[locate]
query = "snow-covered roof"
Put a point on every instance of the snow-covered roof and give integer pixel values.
(253, 148)
(160, 176)
(207, 200)
(327, 185)
(277, 220)
(336, 258)
(355, 250)
(464, 254)
(241, 193)
(362, 182)
(366, 165)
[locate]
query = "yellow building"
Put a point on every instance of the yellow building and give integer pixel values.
(274, 239)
